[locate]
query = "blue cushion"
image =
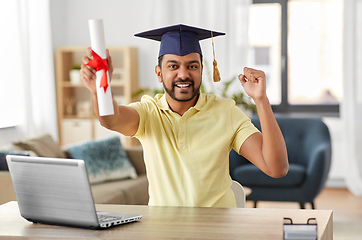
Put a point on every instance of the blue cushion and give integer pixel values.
(251, 176)
(105, 159)
(3, 153)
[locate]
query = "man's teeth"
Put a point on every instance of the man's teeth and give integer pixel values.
(182, 85)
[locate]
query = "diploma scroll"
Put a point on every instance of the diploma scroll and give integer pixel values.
(99, 62)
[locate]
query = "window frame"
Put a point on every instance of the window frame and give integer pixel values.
(320, 110)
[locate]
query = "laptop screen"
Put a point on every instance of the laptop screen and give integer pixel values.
(53, 190)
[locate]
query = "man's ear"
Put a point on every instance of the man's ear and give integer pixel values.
(158, 73)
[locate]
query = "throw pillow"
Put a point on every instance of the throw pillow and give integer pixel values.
(105, 159)
(3, 153)
(43, 146)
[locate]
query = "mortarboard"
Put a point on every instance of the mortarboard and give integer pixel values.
(181, 40)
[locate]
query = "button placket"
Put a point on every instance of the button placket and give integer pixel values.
(182, 134)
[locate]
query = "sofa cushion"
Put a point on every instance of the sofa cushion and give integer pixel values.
(105, 159)
(251, 176)
(43, 146)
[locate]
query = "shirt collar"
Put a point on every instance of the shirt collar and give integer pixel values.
(200, 102)
(161, 102)
(163, 105)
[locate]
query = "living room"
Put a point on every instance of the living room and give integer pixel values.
(65, 24)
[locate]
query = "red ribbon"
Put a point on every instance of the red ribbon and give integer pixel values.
(100, 64)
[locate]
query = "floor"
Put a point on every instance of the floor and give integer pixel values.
(347, 211)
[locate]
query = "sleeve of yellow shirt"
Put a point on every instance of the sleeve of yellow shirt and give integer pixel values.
(242, 126)
(141, 107)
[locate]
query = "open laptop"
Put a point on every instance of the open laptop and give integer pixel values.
(56, 191)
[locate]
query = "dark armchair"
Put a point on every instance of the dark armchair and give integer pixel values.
(309, 152)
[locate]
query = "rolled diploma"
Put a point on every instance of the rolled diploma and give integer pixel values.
(105, 102)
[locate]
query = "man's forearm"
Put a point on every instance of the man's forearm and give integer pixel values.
(124, 120)
(109, 121)
(273, 147)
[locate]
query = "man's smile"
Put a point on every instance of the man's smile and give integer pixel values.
(183, 85)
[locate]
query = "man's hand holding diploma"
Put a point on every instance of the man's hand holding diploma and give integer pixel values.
(88, 73)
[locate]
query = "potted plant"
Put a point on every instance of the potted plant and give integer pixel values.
(74, 75)
(242, 100)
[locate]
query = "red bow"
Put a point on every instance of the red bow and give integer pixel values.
(100, 64)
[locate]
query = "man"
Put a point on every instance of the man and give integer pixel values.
(187, 135)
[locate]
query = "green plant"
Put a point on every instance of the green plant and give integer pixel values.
(76, 67)
(149, 91)
(240, 98)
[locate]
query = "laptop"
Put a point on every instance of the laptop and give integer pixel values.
(56, 191)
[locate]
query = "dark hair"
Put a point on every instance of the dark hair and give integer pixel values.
(161, 57)
(160, 61)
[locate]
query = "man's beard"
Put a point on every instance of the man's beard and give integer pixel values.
(171, 92)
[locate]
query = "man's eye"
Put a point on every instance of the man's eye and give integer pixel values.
(193, 67)
(172, 66)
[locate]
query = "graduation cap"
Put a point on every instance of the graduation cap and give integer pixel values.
(181, 40)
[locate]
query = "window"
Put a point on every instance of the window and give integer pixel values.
(298, 43)
(265, 45)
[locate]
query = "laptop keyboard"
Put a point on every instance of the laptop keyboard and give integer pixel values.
(105, 218)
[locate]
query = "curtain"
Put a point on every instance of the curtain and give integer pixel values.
(351, 107)
(229, 16)
(35, 92)
(9, 65)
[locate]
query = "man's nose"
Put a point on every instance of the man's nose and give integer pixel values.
(183, 73)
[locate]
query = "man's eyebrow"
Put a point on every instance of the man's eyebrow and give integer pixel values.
(194, 61)
(191, 62)
(171, 61)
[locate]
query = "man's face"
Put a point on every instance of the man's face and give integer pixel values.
(181, 76)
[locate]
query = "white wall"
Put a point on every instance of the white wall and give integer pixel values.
(122, 19)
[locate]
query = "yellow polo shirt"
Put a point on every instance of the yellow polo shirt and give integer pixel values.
(187, 157)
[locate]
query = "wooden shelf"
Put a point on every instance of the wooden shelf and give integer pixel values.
(69, 84)
(81, 85)
(77, 117)
(76, 120)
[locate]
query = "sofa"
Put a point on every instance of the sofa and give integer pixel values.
(112, 185)
(309, 149)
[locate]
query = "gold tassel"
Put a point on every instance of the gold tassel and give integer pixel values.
(216, 74)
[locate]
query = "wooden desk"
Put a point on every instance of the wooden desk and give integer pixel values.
(174, 223)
